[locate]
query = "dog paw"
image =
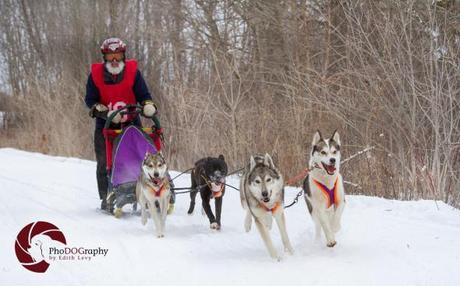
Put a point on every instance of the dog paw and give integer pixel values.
(248, 222)
(215, 226)
(247, 227)
(276, 257)
(289, 250)
(170, 209)
(160, 235)
(331, 244)
(144, 220)
(118, 212)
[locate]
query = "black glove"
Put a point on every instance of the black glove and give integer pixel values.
(98, 110)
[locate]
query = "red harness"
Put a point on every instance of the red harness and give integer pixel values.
(330, 194)
(158, 192)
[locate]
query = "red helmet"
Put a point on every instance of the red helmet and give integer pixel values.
(113, 45)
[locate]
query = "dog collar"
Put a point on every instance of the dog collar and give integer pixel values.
(330, 194)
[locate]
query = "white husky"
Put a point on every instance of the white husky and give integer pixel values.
(153, 191)
(324, 192)
(262, 196)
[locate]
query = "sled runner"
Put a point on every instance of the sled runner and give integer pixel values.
(125, 150)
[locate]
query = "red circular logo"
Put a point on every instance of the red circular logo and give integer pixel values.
(30, 244)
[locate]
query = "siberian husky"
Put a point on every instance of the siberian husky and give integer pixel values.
(153, 191)
(262, 196)
(323, 188)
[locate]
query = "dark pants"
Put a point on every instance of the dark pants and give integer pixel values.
(101, 171)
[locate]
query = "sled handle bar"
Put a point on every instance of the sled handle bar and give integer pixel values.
(137, 109)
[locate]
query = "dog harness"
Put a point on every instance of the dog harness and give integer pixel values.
(330, 194)
(273, 209)
(160, 190)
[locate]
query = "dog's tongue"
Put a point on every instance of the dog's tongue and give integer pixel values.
(330, 168)
(156, 181)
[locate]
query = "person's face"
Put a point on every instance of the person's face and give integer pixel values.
(114, 58)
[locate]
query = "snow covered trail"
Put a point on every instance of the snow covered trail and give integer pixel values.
(382, 242)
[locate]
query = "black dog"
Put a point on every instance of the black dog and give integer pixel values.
(208, 177)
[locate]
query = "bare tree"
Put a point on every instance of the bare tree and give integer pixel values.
(239, 77)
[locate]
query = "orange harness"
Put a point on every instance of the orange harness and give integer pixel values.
(273, 209)
(158, 192)
(330, 194)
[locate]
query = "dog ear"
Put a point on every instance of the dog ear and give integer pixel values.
(316, 138)
(336, 137)
(147, 153)
(221, 157)
(268, 161)
(252, 163)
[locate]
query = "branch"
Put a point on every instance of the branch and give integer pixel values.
(352, 184)
(358, 154)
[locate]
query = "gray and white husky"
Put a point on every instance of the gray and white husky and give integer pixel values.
(262, 196)
(153, 191)
(323, 188)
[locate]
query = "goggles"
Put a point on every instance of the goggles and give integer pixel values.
(114, 56)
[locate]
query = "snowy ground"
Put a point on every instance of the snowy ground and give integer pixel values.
(382, 242)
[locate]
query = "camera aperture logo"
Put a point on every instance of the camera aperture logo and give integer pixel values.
(40, 243)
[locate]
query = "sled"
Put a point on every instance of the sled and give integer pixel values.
(125, 150)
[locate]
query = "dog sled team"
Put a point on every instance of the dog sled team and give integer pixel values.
(132, 170)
